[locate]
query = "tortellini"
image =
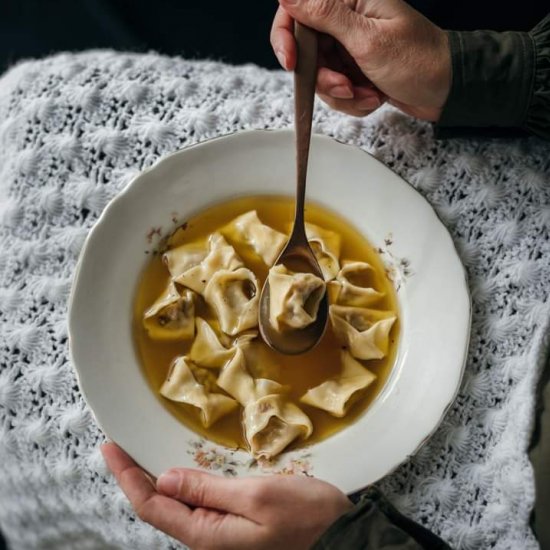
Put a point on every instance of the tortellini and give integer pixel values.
(273, 422)
(172, 316)
(183, 258)
(366, 332)
(264, 240)
(221, 257)
(181, 385)
(337, 394)
(209, 308)
(234, 296)
(354, 285)
(207, 350)
(294, 298)
(237, 381)
(326, 247)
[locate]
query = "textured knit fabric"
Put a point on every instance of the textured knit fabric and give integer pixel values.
(75, 128)
(500, 81)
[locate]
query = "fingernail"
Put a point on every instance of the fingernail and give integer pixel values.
(368, 104)
(341, 92)
(169, 483)
(282, 59)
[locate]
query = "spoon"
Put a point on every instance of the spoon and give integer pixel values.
(297, 255)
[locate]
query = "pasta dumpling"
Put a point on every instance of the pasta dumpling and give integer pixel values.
(364, 331)
(354, 285)
(237, 381)
(264, 240)
(172, 316)
(221, 256)
(271, 423)
(326, 247)
(181, 259)
(207, 350)
(182, 386)
(234, 296)
(337, 394)
(294, 298)
(229, 384)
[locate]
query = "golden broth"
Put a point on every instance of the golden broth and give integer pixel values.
(299, 372)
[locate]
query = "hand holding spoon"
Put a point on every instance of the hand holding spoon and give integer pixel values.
(297, 254)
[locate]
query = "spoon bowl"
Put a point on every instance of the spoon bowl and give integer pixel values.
(297, 256)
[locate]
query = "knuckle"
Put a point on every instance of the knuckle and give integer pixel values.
(322, 9)
(196, 490)
(144, 510)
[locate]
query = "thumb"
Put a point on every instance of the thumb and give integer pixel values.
(331, 17)
(200, 489)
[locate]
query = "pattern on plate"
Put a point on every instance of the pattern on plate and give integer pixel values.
(398, 269)
(213, 457)
(210, 456)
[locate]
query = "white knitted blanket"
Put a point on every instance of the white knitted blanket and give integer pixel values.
(75, 128)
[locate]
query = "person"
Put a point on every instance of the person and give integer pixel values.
(370, 52)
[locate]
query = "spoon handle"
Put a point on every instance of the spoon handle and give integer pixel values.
(305, 76)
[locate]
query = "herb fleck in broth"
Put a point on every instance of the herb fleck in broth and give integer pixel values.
(298, 372)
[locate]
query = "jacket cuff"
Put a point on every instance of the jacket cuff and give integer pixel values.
(492, 81)
(375, 524)
(538, 115)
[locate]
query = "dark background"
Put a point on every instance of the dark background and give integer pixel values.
(230, 31)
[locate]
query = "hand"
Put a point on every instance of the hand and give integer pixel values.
(209, 511)
(371, 51)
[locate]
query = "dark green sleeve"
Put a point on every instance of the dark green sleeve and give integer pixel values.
(374, 524)
(500, 83)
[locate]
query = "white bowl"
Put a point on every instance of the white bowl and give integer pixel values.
(416, 247)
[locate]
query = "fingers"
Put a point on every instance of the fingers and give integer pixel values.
(334, 84)
(197, 488)
(164, 513)
(332, 17)
(282, 39)
(198, 527)
(365, 100)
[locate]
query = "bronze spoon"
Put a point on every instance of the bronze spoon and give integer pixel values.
(297, 254)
